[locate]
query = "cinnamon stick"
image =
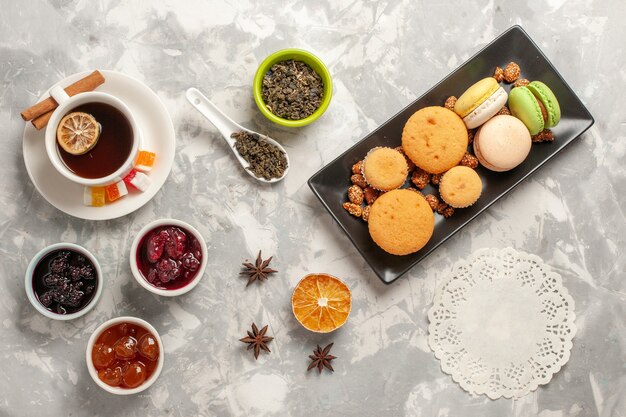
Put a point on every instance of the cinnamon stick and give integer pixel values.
(88, 83)
(42, 121)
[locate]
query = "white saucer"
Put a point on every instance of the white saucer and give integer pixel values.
(157, 136)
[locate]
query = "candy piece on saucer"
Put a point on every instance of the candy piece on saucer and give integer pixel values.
(131, 175)
(94, 196)
(145, 161)
(116, 191)
(137, 179)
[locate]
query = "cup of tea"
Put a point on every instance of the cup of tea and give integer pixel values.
(117, 141)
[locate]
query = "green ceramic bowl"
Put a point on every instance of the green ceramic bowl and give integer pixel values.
(299, 55)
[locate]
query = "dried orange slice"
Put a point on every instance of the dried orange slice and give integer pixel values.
(78, 132)
(321, 302)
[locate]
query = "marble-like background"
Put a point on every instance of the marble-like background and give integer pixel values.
(382, 55)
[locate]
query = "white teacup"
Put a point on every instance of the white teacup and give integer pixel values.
(66, 104)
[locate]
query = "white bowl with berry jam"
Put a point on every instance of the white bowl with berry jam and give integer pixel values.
(168, 257)
(63, 281)
(125, 355)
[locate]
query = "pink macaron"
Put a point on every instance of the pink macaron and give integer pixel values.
(502, 143)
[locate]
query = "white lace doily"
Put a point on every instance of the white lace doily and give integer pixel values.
(502, 323)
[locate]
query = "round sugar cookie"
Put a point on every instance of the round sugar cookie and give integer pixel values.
(460, 187)
(401, 222)
(384, 169)
(435, 139)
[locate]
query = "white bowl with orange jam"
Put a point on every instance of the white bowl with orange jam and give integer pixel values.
(125, 355)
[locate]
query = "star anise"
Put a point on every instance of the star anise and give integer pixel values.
(321, 358)
(259, 271)
(257, 340)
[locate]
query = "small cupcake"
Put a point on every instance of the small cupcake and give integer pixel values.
(460, 187)
(385, 169)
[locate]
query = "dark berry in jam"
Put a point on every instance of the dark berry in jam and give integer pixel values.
(65, 281)
(125, 355)
(169, 257)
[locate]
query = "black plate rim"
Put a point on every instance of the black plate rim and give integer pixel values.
(464, 224)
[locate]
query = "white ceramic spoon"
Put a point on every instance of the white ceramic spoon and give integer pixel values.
(227, 126)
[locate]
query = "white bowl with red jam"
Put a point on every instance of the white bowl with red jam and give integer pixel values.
(168, 257)
(125, 355)
(63, 281)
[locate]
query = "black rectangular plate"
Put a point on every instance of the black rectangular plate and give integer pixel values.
(331, 182)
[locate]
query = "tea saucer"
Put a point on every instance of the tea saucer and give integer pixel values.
(157, 136)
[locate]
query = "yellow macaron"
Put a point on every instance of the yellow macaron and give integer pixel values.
(480, 102)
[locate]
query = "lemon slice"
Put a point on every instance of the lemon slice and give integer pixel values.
(78, 132)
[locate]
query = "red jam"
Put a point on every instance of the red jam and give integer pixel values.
(125, 355)
(169, 257)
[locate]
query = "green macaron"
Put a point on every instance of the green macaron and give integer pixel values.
(543, 93)
(536, 106)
